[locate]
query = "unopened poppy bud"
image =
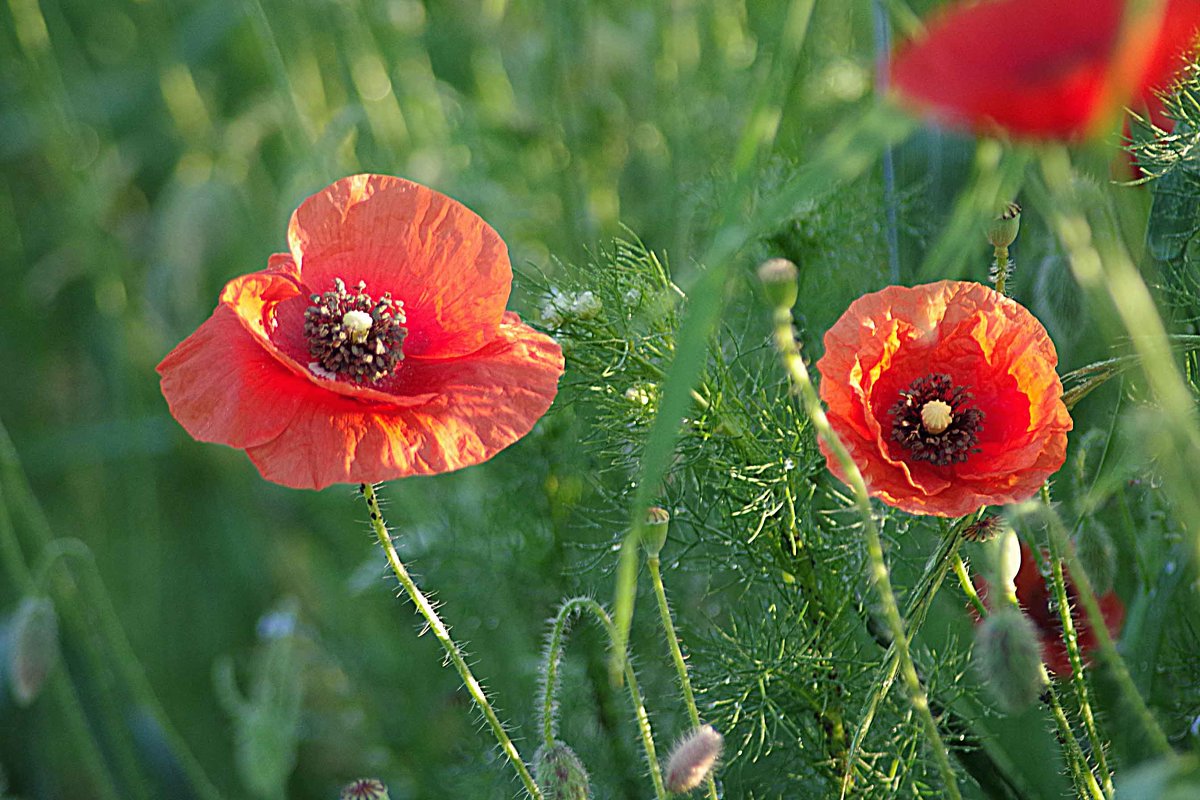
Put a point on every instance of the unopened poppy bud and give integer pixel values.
(1008, 657)
(365, 789)
(778, 277)
(1097, 555)
(33, 652)
(693, 759)
(1004, 228)
(561, 774)
(1004, 561)
(357, 325)
(654, 535)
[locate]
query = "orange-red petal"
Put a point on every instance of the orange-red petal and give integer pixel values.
(448, 266)
(481, 404)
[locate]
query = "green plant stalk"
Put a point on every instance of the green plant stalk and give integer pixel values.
(1078, 681)
(62, 689)
(1002, 269)
(1060, 544)
(920, 599)
(794, 364)
(554, 655)
(1115, 274)
(442, 634)
(685, 685)
(1081, 771)
(124, 658)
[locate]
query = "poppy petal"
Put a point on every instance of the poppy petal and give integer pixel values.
(448, 266)
(481, 404)
(223, 386)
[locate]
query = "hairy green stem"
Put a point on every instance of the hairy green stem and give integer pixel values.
(636, 699)
(685, 685)
(794, 364)
(964, 580)
(442, 634)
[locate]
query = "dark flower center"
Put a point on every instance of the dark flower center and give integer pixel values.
(933, 418)
(353, 335)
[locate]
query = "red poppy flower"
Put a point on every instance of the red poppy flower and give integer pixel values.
(1035, 598)
(1043, 68)
(946, 397)
(378, 348)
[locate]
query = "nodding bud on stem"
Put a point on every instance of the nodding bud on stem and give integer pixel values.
(365, 789)
(1009, 658)
(693, 759)
(560, 773)
(778, 277)
(654, 535)
(1004, 228)
(33, 648)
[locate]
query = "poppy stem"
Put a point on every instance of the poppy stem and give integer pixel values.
(1061, 550)
(964, 580)
(685, 685)
(785, 341)
(442, 633)
(558, 638)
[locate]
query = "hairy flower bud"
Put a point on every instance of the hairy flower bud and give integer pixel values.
(364, 789)
(560, 773)
(1008, 658)
(1097, 555)
(654, 535)
(1003, 230)
(778, 277)
(33, 650)
(693, 758)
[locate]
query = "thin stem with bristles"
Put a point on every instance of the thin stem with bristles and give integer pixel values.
(442, 634)
(554, 655)
(785, 341)
(685, 685)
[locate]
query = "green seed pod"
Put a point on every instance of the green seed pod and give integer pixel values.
(364, 789)
(654, 535)
(1097, 554)
(34, 651)
(1004, 228)
(778, 277)
(1008, 658)
(561, 774)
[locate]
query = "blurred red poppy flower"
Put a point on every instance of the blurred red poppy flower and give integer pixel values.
(1036, 599)
(1049, 69)
(378, 348)
(946, 397)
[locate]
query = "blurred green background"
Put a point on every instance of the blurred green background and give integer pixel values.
(150, 151)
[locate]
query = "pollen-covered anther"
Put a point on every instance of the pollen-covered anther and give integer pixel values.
(353, 335)
(936, 422)
(936, 416)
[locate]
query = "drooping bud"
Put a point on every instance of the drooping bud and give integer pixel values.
(1008, 658)
(560, 773)
(364, 789)
(34, 650)
(1003, 561)
(778, 277)
(1097, 555)
(654, 535)
(1004, 228)
(693, 758)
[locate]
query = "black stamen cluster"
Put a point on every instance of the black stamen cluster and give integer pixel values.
(329, 341)
(951, 446)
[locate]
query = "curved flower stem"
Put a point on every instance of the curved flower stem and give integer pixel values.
(794, 363)
(689, 698)
(1078, 680)
(442, 634)
(554, 655)
(1060, 548)
(1081, 771)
